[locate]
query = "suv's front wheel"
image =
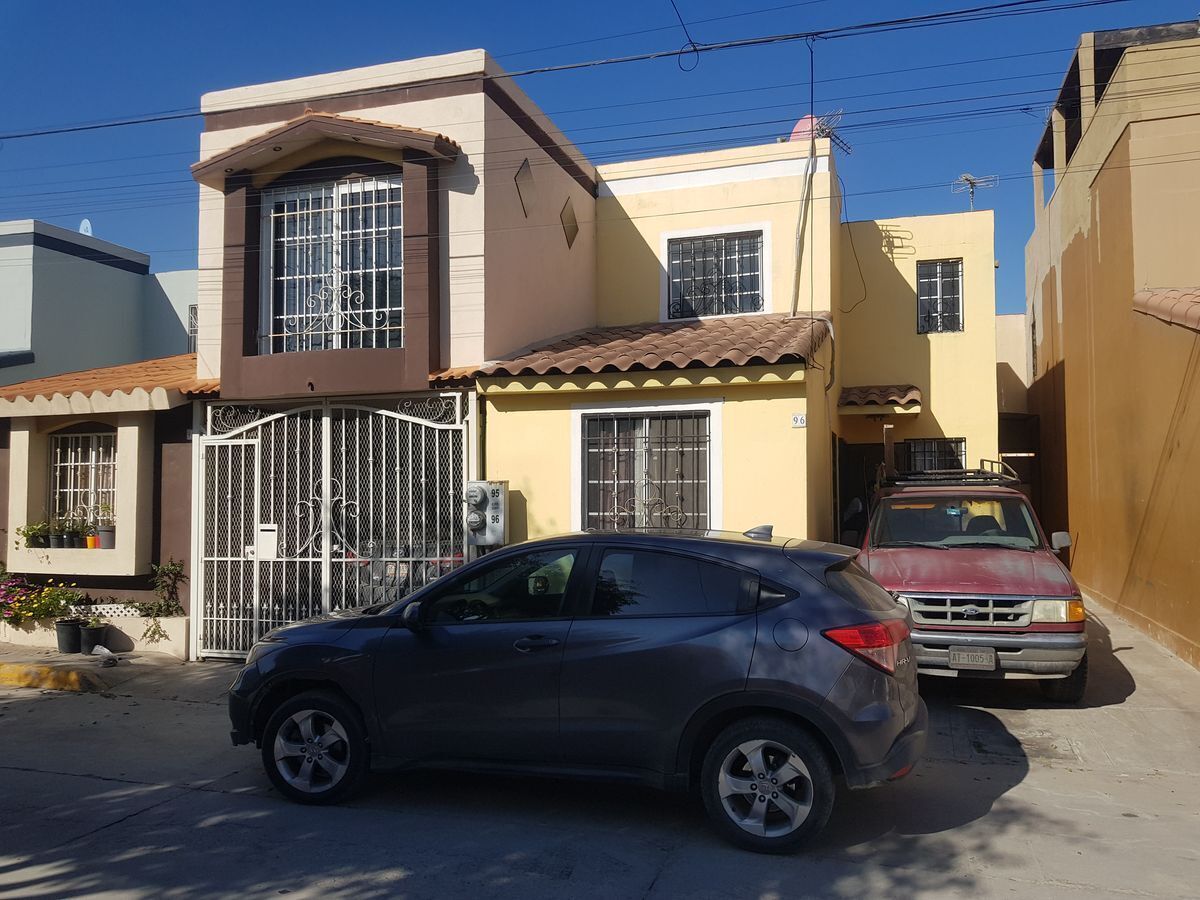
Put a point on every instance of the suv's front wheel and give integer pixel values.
(314, 747)
(767, 785)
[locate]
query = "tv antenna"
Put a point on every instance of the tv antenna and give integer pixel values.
(968, 183)
(827, 128)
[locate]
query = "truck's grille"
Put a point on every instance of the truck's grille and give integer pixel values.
(1000, 612)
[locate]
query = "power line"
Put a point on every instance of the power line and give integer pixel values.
(959, 16)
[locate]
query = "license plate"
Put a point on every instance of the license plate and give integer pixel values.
(983, 658)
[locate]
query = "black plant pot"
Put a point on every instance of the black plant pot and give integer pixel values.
(90, 636)
(56, 541)
(67, 632)
(76, 541)
(38, 541)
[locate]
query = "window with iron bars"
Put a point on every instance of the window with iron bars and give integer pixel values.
(333, 276)
(643, 471)
(193, 326)
(931, 454)
(83, 474)
(715, 275)
(939, 296)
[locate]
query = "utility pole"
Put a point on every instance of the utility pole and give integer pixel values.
(968, 183)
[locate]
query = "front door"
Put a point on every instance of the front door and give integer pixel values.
(480, 679)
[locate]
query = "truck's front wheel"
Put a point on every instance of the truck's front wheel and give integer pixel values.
(1069, 689)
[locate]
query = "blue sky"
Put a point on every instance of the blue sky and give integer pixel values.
(71, 62)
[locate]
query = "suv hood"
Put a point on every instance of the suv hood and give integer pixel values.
(962, 569)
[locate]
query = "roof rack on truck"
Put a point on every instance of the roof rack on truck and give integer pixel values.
(990, 472)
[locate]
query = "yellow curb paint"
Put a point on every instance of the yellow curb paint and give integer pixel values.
(26, 675)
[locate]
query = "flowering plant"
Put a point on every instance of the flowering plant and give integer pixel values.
(20, 601)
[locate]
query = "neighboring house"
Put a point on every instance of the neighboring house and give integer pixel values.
(422, 282)
(1019, 437)
(70, 303)
(1113, 291)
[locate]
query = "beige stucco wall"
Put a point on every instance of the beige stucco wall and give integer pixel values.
(132, 510)
(488, 240)
(1116, 390)
(644, 203)
(876, 328)
(761, 476)
(1012, 363)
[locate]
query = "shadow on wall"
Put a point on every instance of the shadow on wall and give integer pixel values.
(879, 345)
(1013, 395)
(166, 299)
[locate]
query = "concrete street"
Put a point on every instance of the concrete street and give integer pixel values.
(136, 792)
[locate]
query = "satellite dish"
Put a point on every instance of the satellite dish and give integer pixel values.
(85, 227)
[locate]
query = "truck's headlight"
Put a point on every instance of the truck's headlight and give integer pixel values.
(1058, 611)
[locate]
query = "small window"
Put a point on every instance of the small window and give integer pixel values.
(193, 326)
(939, 296)
(529, 586)
(83, 473)
(647, 583)
(932, 454)
(715, 275)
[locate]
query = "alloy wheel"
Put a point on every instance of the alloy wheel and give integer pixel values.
(312, 752)
(765, 788)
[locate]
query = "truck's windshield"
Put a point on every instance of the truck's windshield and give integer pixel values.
(954, 521)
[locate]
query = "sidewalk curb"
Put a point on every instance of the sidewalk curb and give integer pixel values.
(50, 678)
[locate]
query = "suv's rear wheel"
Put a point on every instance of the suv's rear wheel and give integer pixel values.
(314, 748)
(1069, 689)
(767, 785)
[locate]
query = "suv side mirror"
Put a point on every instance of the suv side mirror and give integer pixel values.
(851, 538)
(1060, 540)
(410, 618)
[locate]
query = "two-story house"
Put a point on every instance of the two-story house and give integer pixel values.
(411, 279)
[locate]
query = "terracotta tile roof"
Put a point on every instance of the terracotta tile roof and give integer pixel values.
(455, 376)
(171, 373)
(880, 395)
(684, 344)
(1176, 306)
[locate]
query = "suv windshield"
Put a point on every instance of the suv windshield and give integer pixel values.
(954, 521)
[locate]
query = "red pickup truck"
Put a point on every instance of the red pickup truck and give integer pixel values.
(988, 594)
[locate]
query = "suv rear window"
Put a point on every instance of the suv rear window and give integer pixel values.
(853, 583)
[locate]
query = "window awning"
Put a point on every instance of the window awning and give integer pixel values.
(313, 128)
(880, 399)
(148, 385)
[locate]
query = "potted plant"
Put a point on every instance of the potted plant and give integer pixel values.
(107, 528)
(75, 534)
(91, 633)
(66, 631)
(91, 539)
(57, 534)
(35, 534)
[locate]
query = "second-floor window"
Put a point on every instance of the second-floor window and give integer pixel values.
(715, 275)
(333, 270)
(931, 454)
(939, 296)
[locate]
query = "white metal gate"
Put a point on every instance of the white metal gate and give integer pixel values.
(318, 508)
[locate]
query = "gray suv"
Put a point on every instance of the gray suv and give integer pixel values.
(757, 671)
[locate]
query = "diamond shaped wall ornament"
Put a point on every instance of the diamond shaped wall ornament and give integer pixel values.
(525, 186)
(570, 224)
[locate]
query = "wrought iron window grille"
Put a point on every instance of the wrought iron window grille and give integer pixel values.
(715, 275)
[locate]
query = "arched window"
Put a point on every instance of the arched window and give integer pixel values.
(83, 473)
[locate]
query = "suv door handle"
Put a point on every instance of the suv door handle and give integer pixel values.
(534, 642)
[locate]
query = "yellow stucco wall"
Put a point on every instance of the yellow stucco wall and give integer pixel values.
(762, 476)
(661, 198)
(876, 328)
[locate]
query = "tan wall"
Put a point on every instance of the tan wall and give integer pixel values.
(537, 285)
(1012, 363)
(762, 476)
(656, 199)
(1115, 389)
(876, 328)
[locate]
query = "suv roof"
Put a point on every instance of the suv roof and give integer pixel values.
(710, 540)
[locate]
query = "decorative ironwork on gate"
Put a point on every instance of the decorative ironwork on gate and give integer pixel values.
(320, 508)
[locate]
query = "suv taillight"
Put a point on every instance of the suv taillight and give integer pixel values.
(876, 642)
